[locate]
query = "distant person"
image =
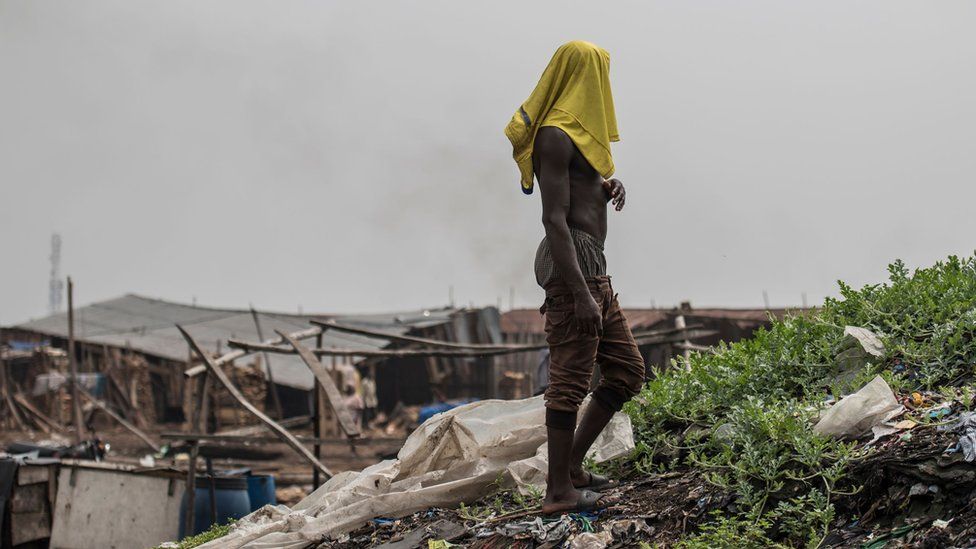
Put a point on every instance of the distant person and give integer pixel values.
(561, 136)
(354, 403)
(370, 402)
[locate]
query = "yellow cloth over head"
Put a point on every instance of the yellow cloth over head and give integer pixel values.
(574, 96)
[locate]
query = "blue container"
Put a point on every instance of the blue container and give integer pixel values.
(261, 490)
(232, 503)
(431, 410)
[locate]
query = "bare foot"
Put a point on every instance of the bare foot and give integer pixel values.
(573, 500)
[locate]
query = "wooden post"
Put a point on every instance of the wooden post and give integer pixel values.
(73, 362)
(334, 373)
(316, 422)
(679, 323)
(277, 429)
(213, 491)
(272, 388)
(7, 390)
(191, 487)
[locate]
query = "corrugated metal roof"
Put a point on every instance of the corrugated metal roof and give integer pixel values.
(148, 326)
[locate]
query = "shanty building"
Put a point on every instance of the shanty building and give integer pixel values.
(132, 346)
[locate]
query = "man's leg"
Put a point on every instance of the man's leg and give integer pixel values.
(572, 355)
(594, 420)
(622, 369)
(560, 492)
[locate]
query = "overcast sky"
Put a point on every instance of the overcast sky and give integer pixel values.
(349, 156)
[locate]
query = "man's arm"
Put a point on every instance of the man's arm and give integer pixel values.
(555, 150)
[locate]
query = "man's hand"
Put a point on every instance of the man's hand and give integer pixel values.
(615, 189)
(588, 317)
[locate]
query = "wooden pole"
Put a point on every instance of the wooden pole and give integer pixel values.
(38, 416)
(679, 323)
(643, 338)
(325, 380)
(8, 396)
(316, 424)
(280, 431)
(191, 487)
(132, 428)
(73, 362)
(272, 388)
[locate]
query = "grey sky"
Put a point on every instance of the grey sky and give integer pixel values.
(349, 156)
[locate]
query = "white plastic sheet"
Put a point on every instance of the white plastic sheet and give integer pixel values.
(452, 458)
(856, 414)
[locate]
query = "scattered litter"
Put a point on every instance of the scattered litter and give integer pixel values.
(940, 411)
(626, 532)
(590, 540)
(939, 523)
(554, 531)
(965, 426)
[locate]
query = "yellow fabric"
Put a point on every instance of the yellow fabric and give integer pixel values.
(574, 96)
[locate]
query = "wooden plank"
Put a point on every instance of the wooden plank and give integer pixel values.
(238, 353)
(643, 338)
(217, 437)
(135, 430)
(277, 429)
(386, 353)
(332, 394)
(40, 417)
(332, 325)
(33, 474)
(7, 391)
(251, 430)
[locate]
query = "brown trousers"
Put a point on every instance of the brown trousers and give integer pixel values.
(572, 354)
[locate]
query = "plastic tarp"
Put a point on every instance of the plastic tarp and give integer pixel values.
(451, 458)
(856, 414)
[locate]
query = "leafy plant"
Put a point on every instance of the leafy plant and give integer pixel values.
(743, 414)
(215, 531)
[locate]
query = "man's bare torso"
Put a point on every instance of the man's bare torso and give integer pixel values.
(587, 197)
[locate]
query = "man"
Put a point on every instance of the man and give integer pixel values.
(561, 135)
(370, 401)
(354, 404)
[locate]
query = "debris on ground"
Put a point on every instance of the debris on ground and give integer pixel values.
(453, 457)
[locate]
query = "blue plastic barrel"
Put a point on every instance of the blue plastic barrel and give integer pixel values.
(261, 490)
(232, 503)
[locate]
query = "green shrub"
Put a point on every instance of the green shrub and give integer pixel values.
(743, 414)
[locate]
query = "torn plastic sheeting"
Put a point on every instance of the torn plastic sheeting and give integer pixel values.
(452, 458)
(868, 340)
(856, 414)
